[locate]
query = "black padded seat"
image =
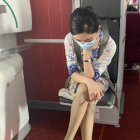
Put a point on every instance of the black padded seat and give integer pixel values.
(107, 101)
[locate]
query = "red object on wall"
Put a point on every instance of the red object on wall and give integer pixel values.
(132, 47)
(44, 64)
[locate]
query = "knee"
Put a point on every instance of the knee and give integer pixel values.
(91, 106)
(82, 92)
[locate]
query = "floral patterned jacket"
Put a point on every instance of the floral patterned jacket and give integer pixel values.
(99, 65)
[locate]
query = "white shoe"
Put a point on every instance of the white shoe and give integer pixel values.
(65, 93)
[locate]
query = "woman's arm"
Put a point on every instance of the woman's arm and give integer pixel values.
(79, 78)
(71, 61)
(105, 59)
(88, 68)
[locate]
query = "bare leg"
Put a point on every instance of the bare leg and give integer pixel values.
(88, 120)
(78, 109)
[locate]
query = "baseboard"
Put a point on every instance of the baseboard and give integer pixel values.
(23, 132)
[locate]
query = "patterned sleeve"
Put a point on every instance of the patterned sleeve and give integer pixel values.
(105, 59)
(71, 58)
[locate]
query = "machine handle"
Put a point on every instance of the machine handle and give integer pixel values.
(3, 9)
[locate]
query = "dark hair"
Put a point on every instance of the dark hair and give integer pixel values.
(83, 20)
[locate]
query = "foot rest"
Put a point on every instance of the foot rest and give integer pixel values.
(107, 101)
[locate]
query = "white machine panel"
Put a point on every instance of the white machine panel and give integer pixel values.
(14, 115)
(15, 16)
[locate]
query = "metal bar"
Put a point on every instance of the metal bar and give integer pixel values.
(43, 41)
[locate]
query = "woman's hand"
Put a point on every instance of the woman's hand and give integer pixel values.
(94, 91)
